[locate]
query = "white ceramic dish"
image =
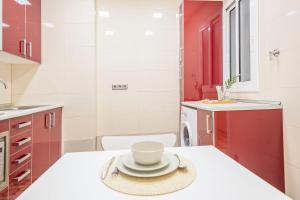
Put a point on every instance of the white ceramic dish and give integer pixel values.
(147, 153)
(173, 165)
(128, 161)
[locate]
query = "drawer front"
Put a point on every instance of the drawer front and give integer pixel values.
(20, 142)
(18, 159)
(19, 181)
(20, 124)
(4, 126)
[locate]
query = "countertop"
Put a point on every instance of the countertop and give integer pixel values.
(18, 113)
(76, 176)
(228, 107)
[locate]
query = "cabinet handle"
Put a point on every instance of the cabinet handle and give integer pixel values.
(24, 141)
(29, 46)
(22, 47)
(23, 175)
(23, 158)
(53, 123)
(208, 131)
(23, 125)
(48, 120)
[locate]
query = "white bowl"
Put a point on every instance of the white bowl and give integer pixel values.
(147, 153)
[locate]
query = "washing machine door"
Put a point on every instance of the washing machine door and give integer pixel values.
(186, 137)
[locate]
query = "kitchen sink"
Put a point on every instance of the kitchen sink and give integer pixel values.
(15, 108)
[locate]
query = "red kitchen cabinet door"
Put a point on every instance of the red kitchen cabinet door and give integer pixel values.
(256, 142)
(221, 132)
(4, 126)
(217, 51)
(41, 145)
(14, 27)
(207, 60)
(33, 30)
(205, 127)
(4, 194)
(55, 135)
(212, 58)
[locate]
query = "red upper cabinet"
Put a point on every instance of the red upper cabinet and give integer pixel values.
(13, 28)
(21, 30)
(33, 30)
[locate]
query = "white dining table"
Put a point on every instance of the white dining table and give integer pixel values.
(76, 177)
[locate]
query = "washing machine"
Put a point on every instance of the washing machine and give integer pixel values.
(188, 128)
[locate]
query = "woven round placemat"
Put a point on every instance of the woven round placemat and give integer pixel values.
(169, 183)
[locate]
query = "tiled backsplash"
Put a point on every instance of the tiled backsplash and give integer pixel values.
(5, 75)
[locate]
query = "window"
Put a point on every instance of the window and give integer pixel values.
(241, 43)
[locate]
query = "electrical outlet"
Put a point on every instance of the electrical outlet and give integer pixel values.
(120, 87)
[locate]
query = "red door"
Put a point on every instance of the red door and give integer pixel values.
(55, 136)
(217, 51)
(33, 30)
(14, 27)
(212, 57)
(207, 61)
(205, 127)
(41, 145)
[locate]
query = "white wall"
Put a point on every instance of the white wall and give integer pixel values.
(279, 78)
(148, 64)
(67, 74)
(5, 75)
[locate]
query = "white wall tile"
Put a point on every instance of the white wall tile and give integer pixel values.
(148, 64)
(292, 181)
(292, 151)
(5, 75)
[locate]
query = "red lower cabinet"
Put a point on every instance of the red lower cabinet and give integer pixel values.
(4, 194)
(20, 155)
(35, 144)
(205, 127)
(19, 181)
(41, 145)
(55, 136)
(46, 141)
(254, 138)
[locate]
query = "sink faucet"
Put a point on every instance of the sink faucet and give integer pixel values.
(3, 83)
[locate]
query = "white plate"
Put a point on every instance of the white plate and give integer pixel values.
(173, 165)
(129, 162)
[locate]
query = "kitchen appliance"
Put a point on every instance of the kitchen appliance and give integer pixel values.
(4, 159)
(189, 127)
